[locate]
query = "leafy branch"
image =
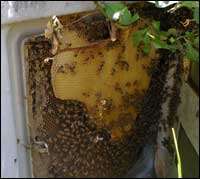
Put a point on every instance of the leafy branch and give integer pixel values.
(187, 43)
(117, 13)
(153, 36)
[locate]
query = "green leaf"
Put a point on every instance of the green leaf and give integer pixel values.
(188, 34)
(172, 31)
(147, 44)
(139, 36)
(196, 42)
(158, 44)
(125, 17)
(196, 15)
(172, 40)
(135, 18)
(191, 53)
(146, 49)
(190, 4)
(156, 25)
(164, 34)
(116, 6)
(112, 8)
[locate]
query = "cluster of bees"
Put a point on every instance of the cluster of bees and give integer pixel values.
(76, 146)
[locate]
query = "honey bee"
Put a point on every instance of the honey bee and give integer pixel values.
(86, 94)
(112, 71)
(128, 84)
(100, 67)
(135, 83)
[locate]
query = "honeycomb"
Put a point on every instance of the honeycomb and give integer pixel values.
(84, 140)
(106, 76)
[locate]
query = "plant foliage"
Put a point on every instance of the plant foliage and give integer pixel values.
(118, 12)
(153, 36)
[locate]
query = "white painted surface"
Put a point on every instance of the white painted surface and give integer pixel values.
(9, 166)
(163, 4)
(14, 116)
(14, 11)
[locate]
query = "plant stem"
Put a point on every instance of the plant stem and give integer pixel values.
(100, 8)
(102, 11)
(120, 26)
(177, 153)
(181, 37)
(151, 36)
